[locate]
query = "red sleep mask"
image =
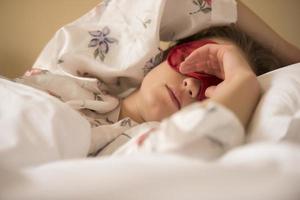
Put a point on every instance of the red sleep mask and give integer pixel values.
(178, 54)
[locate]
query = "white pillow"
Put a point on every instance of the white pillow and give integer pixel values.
(278, 105)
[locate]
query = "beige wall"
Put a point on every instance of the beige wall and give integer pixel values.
(27, 25)
(282, 15)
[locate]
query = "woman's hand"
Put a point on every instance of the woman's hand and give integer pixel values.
(227, 62)
(240, 90)
(221, 60)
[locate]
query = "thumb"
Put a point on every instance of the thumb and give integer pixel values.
(209, 92)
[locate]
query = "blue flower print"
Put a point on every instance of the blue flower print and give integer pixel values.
(126, 122)
(203, 6)
(101, 41)
(153, 62)
(106, 2)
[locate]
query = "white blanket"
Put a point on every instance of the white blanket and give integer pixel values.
(260, 172)
(118, 40)
(37, 128)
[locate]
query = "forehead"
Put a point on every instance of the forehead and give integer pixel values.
(220, 40)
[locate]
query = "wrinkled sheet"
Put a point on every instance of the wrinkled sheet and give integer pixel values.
(265, 169)
(118, 41)
(37, 128)
(258, 171)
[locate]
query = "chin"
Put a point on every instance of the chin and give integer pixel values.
(152, 117)
(156, 115)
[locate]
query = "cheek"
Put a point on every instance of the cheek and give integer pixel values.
(155, 104)
(155, 100)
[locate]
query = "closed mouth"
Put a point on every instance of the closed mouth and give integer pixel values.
(173, 97)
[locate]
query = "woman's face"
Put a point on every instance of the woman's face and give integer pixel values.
(165, 91)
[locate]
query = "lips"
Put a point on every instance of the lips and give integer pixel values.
(173, 97)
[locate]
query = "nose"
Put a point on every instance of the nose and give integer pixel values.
(191, 86)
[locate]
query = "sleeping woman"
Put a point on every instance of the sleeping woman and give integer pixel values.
(230, 92)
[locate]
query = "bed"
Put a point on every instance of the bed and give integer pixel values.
(43, 142)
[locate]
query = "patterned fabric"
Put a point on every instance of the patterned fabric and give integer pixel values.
(202, 6)
(190, 133)
(91, 99)
(102, 42)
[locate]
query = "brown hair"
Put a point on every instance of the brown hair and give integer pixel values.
(261, 59)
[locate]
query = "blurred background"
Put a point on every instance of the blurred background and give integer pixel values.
(27, 25)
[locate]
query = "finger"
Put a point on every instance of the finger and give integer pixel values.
(209, 66)
(219, 68)
(187, 67)
(209, 92)
(194, 63)
(198, 59)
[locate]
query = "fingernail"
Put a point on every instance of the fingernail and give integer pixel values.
(188, 70)
(182, 69)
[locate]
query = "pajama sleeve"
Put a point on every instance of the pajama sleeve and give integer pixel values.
(198, 131)
(194, 16)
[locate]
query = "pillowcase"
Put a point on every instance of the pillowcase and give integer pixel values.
(278, 106)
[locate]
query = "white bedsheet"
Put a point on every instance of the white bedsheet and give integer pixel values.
(265, 170)
(257, 171)
(37, 128)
